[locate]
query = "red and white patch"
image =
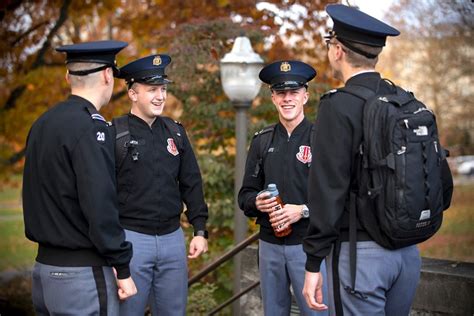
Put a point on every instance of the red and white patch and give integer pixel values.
(172, 149)
(304, 155)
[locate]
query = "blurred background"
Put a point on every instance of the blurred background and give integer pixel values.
(433, 57)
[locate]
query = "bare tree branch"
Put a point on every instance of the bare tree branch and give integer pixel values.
(10, 6)
(39, 61)
(63, 15)
(14, 95)
(118, 95)
(16, 157)
(32, 29)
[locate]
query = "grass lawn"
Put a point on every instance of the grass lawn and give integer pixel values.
(16, 252)
(455, 239)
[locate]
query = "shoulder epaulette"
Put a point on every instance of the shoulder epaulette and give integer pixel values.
(97, 116)
(328, 93)
(264, 130)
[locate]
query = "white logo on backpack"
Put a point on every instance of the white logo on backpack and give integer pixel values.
(425, 214)
(421, 131)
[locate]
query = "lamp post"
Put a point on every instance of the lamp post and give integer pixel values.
(239, 76)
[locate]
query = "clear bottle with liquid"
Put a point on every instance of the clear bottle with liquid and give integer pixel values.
(272, 189)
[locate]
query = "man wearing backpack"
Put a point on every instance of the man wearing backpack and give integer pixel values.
(281, 154)
(156, 172)
(379, 274)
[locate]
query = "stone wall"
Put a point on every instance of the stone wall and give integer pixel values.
(445, 288)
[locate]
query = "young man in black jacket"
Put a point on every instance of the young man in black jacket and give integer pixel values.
(158, 173)
(386, 279)
(69, 194)
(281, 154)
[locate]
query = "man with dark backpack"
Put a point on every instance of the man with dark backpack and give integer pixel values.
(280, 154)
(157, 172)
(379, 181)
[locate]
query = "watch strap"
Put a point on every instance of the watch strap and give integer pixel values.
(202, 233)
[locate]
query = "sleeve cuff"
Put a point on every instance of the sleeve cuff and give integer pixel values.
(250, 210)
(313, 264)
(123, 271)
(199, 223)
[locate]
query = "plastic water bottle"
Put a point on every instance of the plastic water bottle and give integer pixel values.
(272, 189)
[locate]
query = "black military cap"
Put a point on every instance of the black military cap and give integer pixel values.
(353, 25)
(287, 75)
(148, 70)
(101, 52)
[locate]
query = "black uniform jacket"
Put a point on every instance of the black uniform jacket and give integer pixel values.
(153, 188)
(281, 166)
(69, 190)
(338, 135)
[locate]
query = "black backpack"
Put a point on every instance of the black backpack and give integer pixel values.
(124, 144)
(397, 194)
(264, 139)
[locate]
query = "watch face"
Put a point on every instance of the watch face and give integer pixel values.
(305, 213)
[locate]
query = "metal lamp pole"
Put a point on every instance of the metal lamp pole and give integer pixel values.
(239, 76)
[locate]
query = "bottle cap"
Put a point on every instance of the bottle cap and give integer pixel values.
(272, 188)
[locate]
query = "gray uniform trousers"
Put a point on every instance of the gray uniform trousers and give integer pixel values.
(387, 278)
(280, 267)
(74, 291)
(160, 271)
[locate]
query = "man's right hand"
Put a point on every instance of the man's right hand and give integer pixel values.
(313, 291)
(265, 203)
(126, 288)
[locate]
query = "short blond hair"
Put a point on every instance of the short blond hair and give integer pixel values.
(83, 81)
(360, 61)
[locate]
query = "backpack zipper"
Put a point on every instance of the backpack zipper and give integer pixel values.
(421, 110)
(402, 150)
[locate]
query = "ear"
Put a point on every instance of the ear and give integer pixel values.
(306, 97)
(108, 75)
(274, 98)
(339, 52)
(132, 94)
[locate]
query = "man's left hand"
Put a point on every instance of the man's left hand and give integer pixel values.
(289, 214)
(197, 246)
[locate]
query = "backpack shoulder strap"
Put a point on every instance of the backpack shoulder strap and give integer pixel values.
(122, 138)
(264, 139)
(365, 94)
(174, 127)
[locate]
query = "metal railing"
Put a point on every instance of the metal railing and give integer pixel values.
(222, 259)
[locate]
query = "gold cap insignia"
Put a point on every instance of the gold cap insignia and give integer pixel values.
(285, 66)
(157, 61)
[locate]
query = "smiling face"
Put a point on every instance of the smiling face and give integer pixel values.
(290, 105)
(148, 101)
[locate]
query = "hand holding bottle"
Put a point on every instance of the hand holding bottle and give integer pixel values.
(265, 202)
(269, 201)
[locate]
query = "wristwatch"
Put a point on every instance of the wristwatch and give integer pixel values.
(305, 211)
(202, 233)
